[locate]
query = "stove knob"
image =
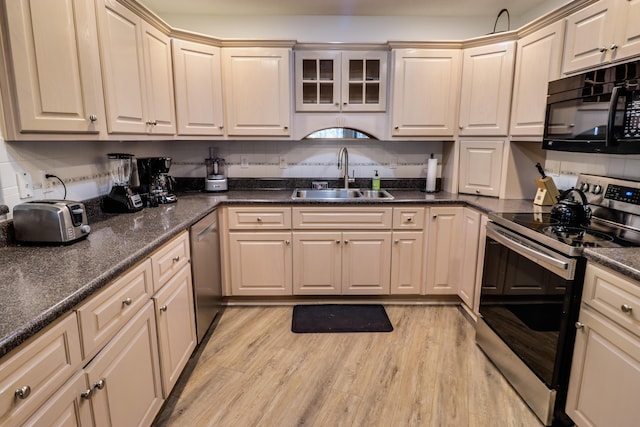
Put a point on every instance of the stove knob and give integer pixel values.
(597, 189)
(584, 187)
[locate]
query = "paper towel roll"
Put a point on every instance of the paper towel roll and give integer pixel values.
(432, 169)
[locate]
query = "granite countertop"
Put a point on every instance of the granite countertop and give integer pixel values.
(41, 283)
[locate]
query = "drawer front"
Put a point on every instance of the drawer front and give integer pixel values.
(169, 259)
(342, 218)
(105, 313)
(38, 370)
(614, 296)
(259, 218)
(408, 218)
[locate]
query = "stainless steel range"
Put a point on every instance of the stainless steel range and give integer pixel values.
(532, 285)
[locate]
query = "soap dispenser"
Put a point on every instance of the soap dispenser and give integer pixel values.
(375, 182)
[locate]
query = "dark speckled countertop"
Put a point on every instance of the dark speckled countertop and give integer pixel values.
(41, 283)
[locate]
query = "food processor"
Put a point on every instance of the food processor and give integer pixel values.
(122, 198)
(215, 180)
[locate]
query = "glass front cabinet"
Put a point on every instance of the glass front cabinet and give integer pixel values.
(341, 80)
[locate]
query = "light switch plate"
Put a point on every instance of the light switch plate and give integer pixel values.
(25, 185)
(244, 162)
(393, 164)
(283, 162)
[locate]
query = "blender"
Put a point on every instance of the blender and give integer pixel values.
(121, 198)
(215, 180)
(156, 185)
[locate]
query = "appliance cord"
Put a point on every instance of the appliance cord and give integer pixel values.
(49, 175)
(498, 17)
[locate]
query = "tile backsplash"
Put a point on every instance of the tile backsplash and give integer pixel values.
(565, 167)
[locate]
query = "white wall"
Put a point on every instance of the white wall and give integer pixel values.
(565, 167)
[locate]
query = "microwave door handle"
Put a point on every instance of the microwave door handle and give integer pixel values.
(611, 120)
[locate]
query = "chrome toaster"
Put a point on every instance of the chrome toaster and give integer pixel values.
(50, 221)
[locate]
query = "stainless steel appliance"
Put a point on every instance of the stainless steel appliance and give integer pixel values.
(532, 286)
(122, 198)
(597, 111)
(156, 185)
(216, 179)
(205, 266)
(50, 221)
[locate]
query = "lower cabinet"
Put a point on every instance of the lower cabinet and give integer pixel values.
(469, 250)
(406, 262)
(443, 251)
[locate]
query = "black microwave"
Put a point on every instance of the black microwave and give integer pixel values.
(595, 112)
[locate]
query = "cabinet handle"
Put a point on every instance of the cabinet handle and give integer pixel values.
(287, 242)
(285, 127)
(477, 191)
(346, 242)
(626, 308)
(613, 46)
(99, 385)
(345, 104)
(86, 394)
(23, 392)
(93, 118)
(410, 219)
(176, 258)
(579, 325)
(152, 122)
(602, 49)
(396, 127)
(126, 301)
(396, 241)
(163, 308)
(259, 219)
(221, 127)
(337, 242)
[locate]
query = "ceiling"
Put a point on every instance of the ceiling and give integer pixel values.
(342, 7)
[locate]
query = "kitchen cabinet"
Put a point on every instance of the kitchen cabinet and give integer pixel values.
(480, 166)
(340, 80)
(51, 80)
(538, 61)
(485, 94)
(137, 72)
(407, 251)
(257, 91)
(444, 256)
(197, 75)
(469, 245)
(605, 372)
(474, 304)
(425, 92)
(608, 30)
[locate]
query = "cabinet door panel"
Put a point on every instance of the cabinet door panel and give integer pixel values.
(628, 29)
(443, 256)
(469, 247)
(366, 268)
(481, 167)
(66, 407)
(406, 262)
(317, 263)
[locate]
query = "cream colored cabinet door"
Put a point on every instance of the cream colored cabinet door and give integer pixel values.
(605, 374)
(589, 36)
(469, 248)
(56, 69)
(317, 263)
(444, 258)
(480, 167)
(125, 375)
(175, 319)
(426, 85)
(482, 243)
(260, 263)
(627, 30)
(317, 77)
(137, 72)
(485, 97)
(538, 61)
(406, 262)
(70, 406)
(364, 81)
(198, 84)
(365, 262)
(256, 90)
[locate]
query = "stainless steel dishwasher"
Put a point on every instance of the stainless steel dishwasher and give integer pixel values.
(205, 266)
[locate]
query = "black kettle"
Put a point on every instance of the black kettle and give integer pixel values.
(570, 212)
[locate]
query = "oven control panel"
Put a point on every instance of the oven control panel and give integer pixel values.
(623, 195)
(620, 193)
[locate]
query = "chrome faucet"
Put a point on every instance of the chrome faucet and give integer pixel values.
(344, 165)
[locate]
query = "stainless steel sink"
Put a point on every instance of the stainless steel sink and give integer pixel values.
(339, 194)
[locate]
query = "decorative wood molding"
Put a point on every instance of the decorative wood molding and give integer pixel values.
(342, 46)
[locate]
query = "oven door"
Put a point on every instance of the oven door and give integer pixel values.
(528, 303)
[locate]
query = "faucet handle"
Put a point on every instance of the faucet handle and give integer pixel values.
(352, 178)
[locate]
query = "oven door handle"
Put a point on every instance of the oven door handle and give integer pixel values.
(563, 268)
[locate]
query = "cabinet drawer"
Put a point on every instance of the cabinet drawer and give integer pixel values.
(39, 369)
(614, 296)
(342, 218)
(105, 313)
(259, 218)
(408, 218)
(169, 259)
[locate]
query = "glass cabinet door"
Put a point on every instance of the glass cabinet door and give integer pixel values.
(364, 81)
(317, 81)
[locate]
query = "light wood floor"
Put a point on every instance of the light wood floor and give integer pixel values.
(254, 371)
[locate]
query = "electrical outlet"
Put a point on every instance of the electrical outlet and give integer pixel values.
(25, 185)
(244, 162)
(393, 164)
(283, 162)
(47, 185)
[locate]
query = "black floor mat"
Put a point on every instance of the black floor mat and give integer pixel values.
(326, 318)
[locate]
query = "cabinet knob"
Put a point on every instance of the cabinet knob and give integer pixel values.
(396, 127)
(176, 259)
(259, 219)
(23, 392)
(602, 49)
(579, 325)
(410, 219)
(477, 191)
(396, 241)
(152, 122)
(346, 242)
(626, 308)
(93, 118)
(337, 242)
(163, 308)
(221, 127)
(99, 385)
(345, 104)
(287, 242)
(285, 127)
(126, 301)
(86, 394)
(613, 46)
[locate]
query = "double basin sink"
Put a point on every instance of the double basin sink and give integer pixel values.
(340, 194)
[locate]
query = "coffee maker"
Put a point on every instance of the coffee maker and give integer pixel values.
(156, 185)
(122, 198)
(215, 180)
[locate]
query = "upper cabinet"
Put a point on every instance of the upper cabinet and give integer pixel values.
(137, 72)
(485, 100)
(341, 80)
(605, 31)
(198, 84)
(538, 61)
(425, 91)
(51, 80)
(257, 91)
